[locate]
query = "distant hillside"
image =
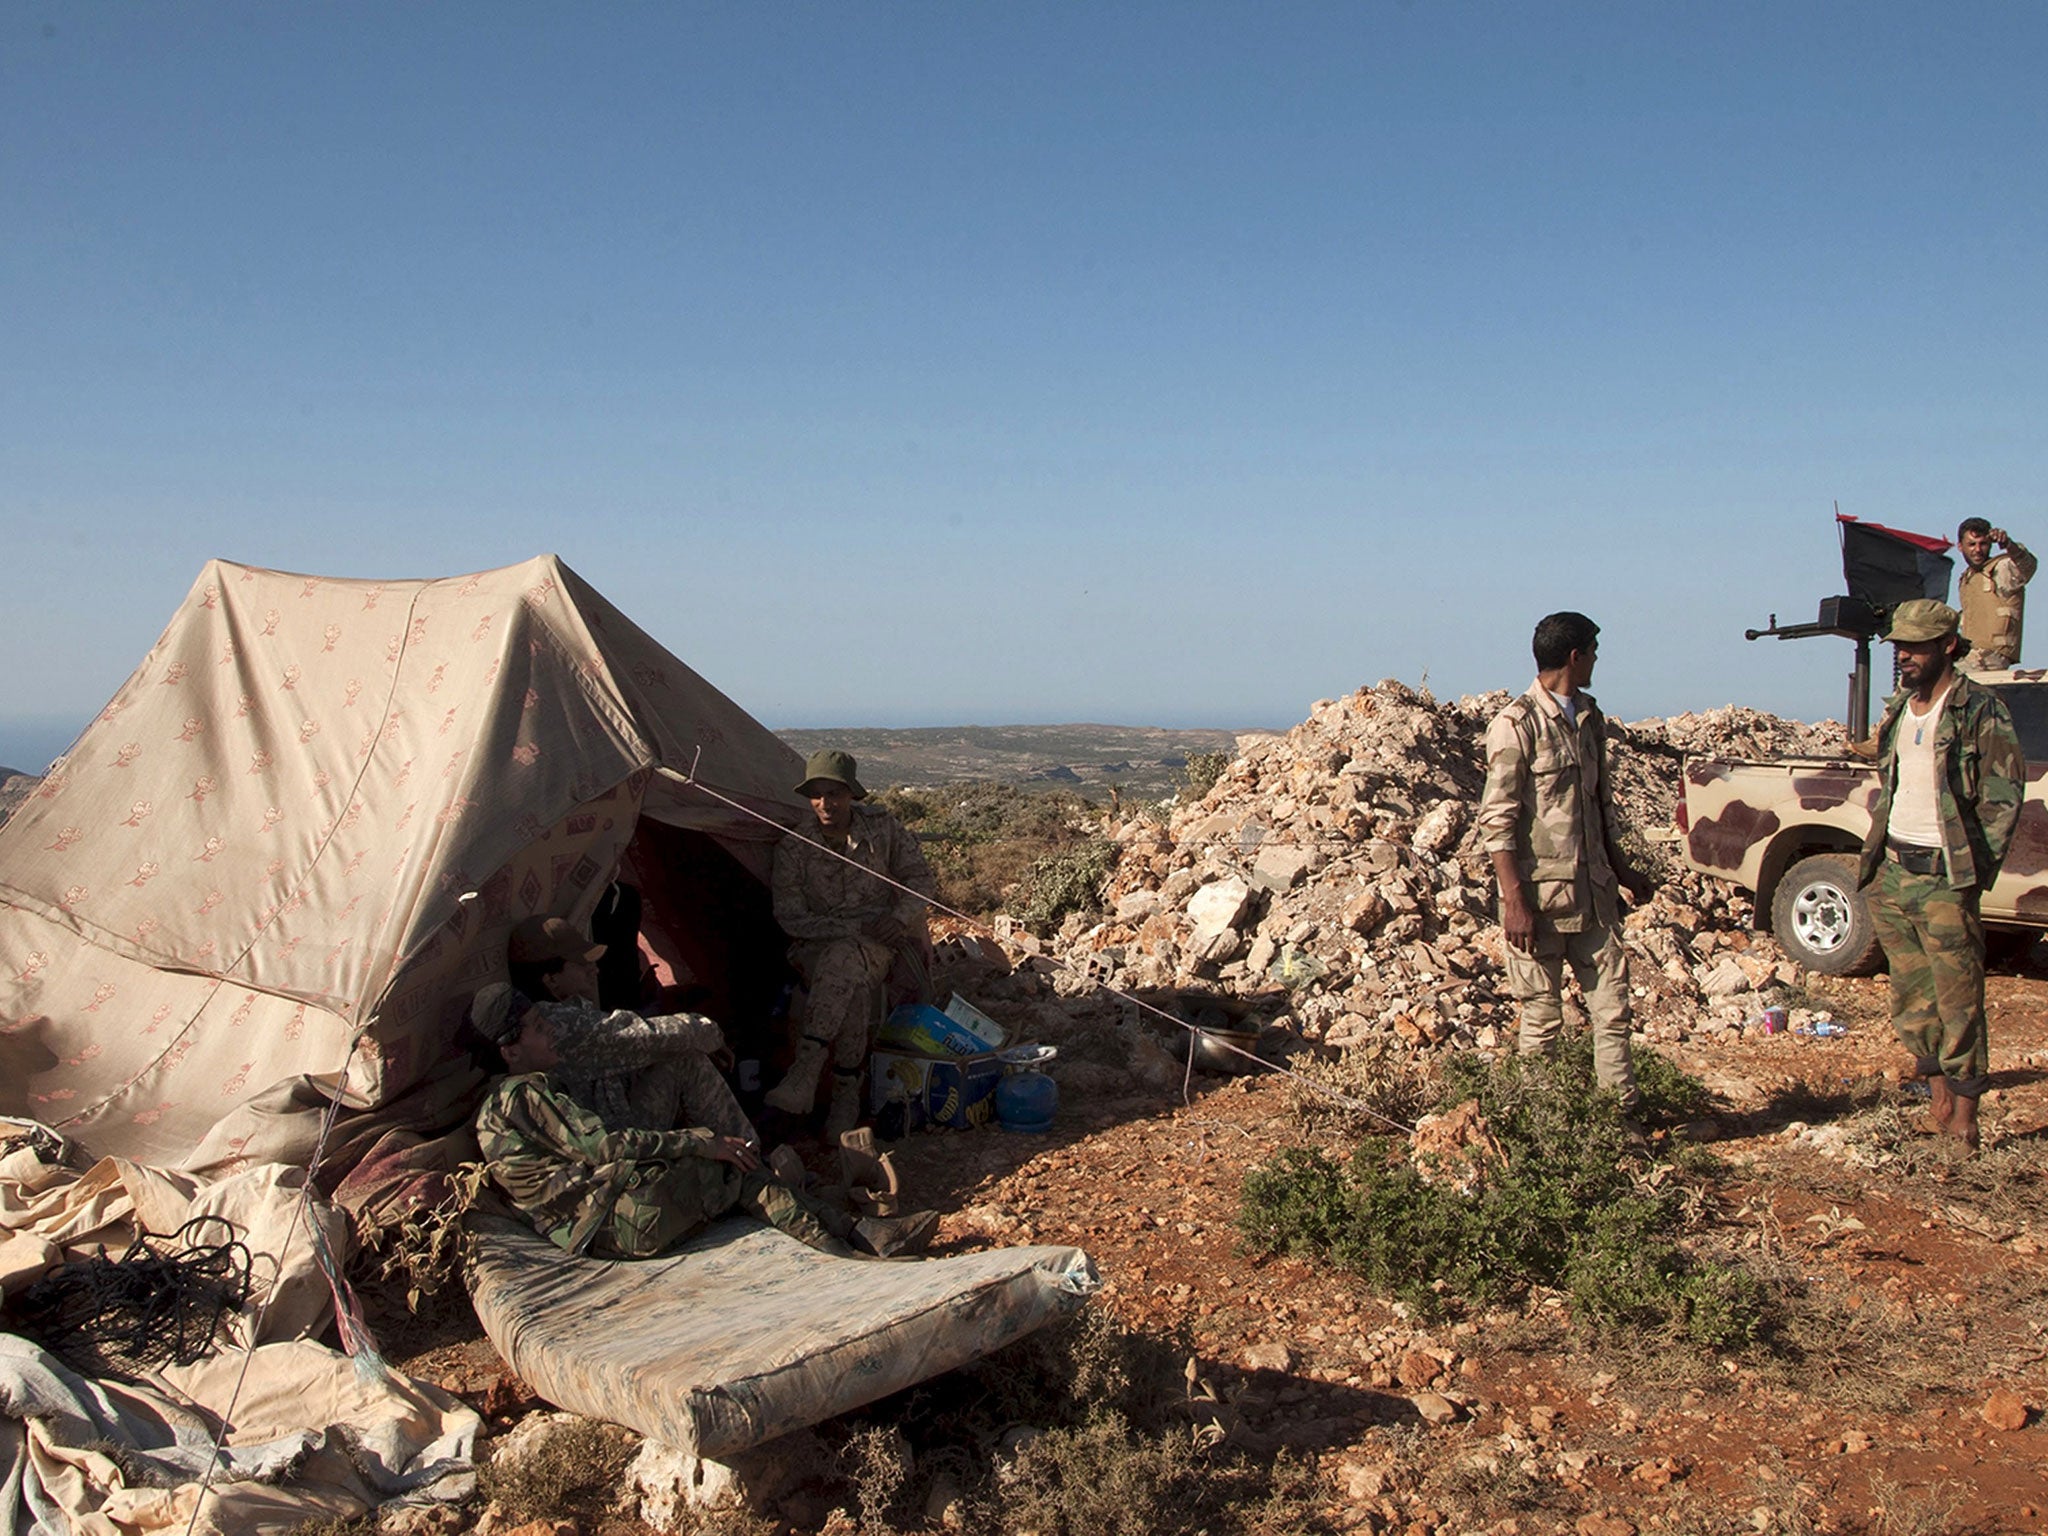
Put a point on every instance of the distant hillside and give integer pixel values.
(1146, 761)
(14, 788)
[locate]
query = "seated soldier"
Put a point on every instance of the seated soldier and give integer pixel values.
(637, 1073)
(854, 933)
(631, 1194)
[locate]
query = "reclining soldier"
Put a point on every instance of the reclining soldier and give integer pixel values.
(634, 1193)
(648, 1073)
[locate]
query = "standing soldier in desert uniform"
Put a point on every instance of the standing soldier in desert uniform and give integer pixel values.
(853, 930)
(1993, 594)
(1546, 817)
(1951, 775)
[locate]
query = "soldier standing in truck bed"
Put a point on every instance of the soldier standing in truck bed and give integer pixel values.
(1992, 593)
(1950, 777)
(1546, 817)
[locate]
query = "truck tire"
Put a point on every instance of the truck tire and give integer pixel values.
(1820, 917)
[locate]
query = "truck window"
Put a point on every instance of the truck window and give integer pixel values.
(2029, 705)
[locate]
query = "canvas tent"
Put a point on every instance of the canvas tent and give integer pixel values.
(285, 854)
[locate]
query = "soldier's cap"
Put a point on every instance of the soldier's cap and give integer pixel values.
(835, 767)
(1923, 619)
(498, 1011)
(540, 939)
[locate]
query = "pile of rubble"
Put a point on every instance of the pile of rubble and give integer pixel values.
(1331, 881)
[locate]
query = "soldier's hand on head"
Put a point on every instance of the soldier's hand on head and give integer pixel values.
(2000, 537)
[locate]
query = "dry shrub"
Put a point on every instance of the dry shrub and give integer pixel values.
(580, 1462)
(1896, 1510)
(1129, 1442)
(877, 1462)
(1105, 1478)
(1391, 1082)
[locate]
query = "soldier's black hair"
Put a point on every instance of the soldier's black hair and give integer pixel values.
(1558, 635)
(1973, 525)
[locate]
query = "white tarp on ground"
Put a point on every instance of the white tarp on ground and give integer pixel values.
(310, 1436)
(744, 1334)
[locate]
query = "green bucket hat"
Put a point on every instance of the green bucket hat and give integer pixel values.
(1923, 619)
(835, 766)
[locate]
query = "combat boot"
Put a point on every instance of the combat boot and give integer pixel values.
(895, 1237)
(798, 1090)
(1941, 1102)
(1962, 1120)
(870, 1177)
(844, 1114)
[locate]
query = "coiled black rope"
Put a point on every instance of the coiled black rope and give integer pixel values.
(153, 1306)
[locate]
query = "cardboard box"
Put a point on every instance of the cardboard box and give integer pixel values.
(908, 1092)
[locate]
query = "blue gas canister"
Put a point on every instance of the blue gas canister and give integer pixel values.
(1027, 1099)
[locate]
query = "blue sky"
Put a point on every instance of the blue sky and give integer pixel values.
(924, 364)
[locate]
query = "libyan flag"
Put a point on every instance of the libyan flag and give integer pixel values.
(1885, 566)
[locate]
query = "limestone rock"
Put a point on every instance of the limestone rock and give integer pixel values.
(1219, 906)
(1435, 1408)
(1270, 1355)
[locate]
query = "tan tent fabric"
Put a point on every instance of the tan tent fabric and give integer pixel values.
(296, 839)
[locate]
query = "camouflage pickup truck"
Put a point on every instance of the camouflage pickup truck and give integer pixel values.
(1790, 831)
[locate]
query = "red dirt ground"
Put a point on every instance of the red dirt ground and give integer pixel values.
(1933, 1268)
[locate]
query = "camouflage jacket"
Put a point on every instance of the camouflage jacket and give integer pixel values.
(1547, 802)
(586, 1188)
(1982, 775)
(818, 896)
(601, 1050)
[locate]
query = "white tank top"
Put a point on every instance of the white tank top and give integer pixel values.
(1916, 806)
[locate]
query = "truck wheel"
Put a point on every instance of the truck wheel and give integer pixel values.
(1820, 917)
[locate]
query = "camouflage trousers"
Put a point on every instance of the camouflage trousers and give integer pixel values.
(667, 1203)
(687, 1089)
(1597, 958)
(1934, 942)
(843, 982)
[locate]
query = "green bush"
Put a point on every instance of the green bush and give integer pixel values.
(1574, 1206)
(1202, 772)
(1064, 883)
(982, 839)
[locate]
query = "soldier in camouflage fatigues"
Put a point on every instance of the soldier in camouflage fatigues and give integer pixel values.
(1546, 817)
(644, 1072)
(631, 1194)
(637, 1072)
(853, 932)
(1950, 779)
(628, 1194)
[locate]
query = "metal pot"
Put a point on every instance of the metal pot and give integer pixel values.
(1213, 1053)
